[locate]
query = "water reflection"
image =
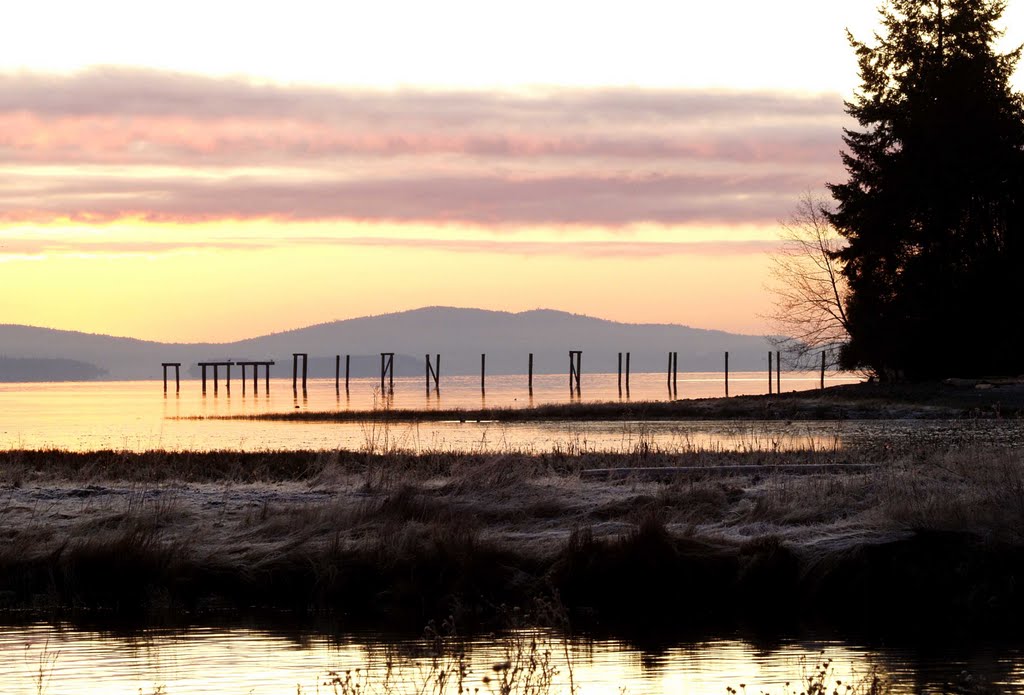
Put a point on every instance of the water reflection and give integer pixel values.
(224, 660)
(137, 416)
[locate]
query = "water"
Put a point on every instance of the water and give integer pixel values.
(244, 660)
(137, 416)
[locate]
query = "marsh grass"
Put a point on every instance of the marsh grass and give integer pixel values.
(41, 666)
(864, 400)
(416, 536)
(821, 678)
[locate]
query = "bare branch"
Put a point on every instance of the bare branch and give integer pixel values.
(808, 286)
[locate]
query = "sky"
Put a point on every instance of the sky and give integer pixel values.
(209, 171)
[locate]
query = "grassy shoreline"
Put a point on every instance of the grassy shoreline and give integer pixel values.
(952, 400)
(927, 536)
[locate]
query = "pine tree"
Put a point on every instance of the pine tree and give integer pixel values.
(932, 209)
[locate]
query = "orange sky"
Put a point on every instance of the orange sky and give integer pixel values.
(210, 194)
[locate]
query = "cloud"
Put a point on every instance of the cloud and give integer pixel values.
(488, 200)
(185, 147)
(130, 92)
(28, 248)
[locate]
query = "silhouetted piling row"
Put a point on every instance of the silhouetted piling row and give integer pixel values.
(256, 364)
(216, 378)
(433, 373)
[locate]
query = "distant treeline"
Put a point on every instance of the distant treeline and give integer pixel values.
(43, 369)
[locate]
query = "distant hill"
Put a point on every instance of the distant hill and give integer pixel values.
(458, 335)
(47, 369)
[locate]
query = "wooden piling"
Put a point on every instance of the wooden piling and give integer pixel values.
(387, 366)
(483, 372)
(177, 375)
(203, 368)
(675, 373)
(575, 365)
(822, 370)
(347, 363)
(228, 378)
(530, 371)
(726, 373)
(769, 372)
(668, 374)
(627, 374)
(295, 369)
(778, 372)
(337, 373)
(433, 372)
(620, 374)
(216, 381)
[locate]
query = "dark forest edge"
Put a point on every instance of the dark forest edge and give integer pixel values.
(951, 399)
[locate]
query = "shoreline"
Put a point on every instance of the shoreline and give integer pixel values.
(954, 399)
(925, 537)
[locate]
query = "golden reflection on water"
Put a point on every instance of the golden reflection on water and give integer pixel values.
(246, 661)
(139, 416)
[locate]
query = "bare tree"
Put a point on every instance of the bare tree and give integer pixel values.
(808, 286)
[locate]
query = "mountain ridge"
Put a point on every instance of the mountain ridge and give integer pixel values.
(460, 335)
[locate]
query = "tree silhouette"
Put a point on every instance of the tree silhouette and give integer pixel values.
(932, 209)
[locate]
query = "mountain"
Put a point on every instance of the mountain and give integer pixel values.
(15, 369)
(458, 335)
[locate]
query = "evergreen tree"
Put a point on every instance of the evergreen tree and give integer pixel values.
(932, 209)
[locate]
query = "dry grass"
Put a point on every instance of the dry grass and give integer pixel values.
(421, 536)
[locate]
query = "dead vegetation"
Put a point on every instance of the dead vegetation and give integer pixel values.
(415, 537)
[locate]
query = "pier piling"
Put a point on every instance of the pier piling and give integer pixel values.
(433, 372)
(575, 365)
(387, 368)
(295, 370)
(778, 372)
(256, 364)
(177, 375)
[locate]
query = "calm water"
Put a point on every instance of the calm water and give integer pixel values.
(136, 415)
(240, 661)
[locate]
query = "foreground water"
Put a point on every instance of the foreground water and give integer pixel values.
(58, 660)
(138, 416)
